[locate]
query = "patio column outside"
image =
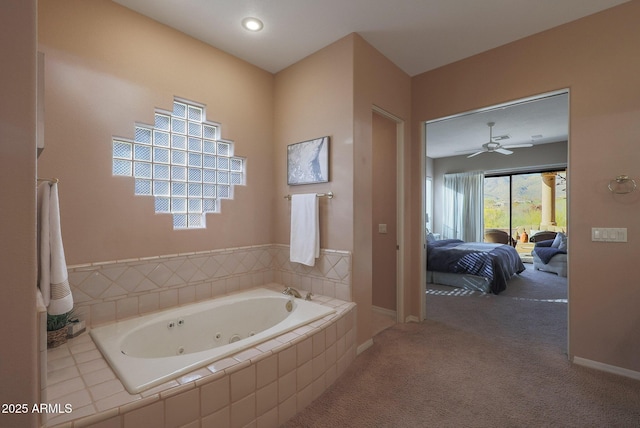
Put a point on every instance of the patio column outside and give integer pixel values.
(548, 199)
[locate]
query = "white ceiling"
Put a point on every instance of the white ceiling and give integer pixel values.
(417, 35)
(539, 121)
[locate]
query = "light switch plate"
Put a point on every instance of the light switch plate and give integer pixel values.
(609, 234)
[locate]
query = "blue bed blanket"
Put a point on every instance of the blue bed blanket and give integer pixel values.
(497, 262)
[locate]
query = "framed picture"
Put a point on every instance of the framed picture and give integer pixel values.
(308, 162)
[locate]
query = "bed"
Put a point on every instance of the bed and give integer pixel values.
(478, 266)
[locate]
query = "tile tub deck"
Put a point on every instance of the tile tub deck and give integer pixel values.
(265, 385)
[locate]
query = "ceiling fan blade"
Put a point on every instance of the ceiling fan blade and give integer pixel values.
(475, 154)
(517, 146)
(503, 151)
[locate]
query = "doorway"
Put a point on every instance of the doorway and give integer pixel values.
(509, 124)
(385, 233)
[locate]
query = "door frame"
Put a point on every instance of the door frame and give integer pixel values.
(400, 201)
(423, 169)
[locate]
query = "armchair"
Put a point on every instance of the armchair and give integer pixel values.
(498, 236)
(551, 255)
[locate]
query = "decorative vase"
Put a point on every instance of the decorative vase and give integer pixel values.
(57, 337)
(524, 238)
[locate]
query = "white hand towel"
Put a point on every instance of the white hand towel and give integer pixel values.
(305, 229)
(53, 276)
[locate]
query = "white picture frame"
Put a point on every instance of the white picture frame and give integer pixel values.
(308, 162)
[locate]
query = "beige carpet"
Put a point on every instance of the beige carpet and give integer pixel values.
(478, 361)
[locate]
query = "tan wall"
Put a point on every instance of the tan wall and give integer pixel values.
(377, 82)
(384, 212)
(314, 98)
(332, 92)
(18, 353)
(108, 67)
(596, 58)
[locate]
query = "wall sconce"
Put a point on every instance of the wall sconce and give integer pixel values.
(622, 184)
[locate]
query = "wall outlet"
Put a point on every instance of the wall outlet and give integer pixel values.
(382, 228)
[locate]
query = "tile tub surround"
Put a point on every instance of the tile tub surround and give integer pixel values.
(264, 386)
(41, 311)
(104, 292)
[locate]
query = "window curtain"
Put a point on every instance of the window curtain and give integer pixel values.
(463, 214)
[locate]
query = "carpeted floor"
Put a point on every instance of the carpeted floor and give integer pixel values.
(478, 361)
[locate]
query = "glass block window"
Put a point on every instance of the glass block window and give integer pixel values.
(182, 163)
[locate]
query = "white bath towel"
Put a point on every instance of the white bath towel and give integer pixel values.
(305, 229)
(53, 276)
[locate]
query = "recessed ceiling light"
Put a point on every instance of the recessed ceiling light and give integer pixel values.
(252, 24)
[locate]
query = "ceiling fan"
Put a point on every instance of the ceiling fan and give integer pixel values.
(492, 146)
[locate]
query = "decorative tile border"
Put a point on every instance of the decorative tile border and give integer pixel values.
(331, 275)
(104, 292)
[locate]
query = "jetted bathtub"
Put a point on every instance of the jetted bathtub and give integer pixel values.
(152, 349)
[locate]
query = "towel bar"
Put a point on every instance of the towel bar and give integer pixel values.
(50, 180)
(319, 195)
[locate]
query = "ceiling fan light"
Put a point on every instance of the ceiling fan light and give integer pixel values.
(494, 146)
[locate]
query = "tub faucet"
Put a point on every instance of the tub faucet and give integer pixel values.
(292, 292)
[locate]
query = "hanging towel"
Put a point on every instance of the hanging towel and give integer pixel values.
(305, 229)
(53, 276)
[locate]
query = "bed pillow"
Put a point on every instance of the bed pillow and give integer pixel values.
(430, 238)
(560, 242)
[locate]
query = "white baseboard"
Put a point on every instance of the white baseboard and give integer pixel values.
(411, 318)
(607, 368)
(363, 347)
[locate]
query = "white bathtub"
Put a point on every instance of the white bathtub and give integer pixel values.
(149, 350)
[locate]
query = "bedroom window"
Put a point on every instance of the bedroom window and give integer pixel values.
(525, 202)
(181, 162)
